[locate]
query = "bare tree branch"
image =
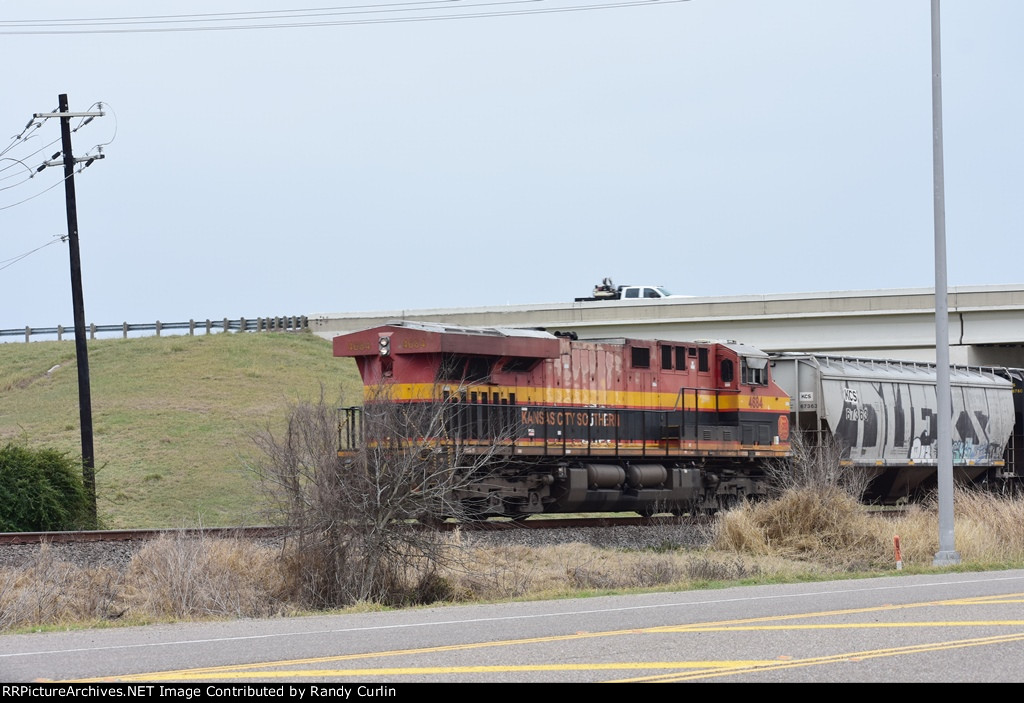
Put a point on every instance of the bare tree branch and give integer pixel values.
(352, 515)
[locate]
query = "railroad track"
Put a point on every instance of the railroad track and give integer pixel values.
(8, 538)
(13, 538)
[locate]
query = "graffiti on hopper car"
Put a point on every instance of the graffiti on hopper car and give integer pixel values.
(879, 421)
(967, 452)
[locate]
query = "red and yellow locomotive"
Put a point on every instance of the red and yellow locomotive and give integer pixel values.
(582, 426)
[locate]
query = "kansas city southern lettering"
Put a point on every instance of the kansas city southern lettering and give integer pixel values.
(563, 418)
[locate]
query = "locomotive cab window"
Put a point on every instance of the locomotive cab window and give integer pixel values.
(726, 371)
(755, 370)
(641, 357)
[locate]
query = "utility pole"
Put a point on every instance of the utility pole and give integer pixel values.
(77, 298)
(78, 302)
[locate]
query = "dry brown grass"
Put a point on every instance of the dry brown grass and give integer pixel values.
(182, 578)
(823, 525)
(169, 579)
(988, 529)
(48, 591)
(832, 529)
(806, 534)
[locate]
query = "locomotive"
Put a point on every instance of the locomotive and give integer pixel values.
(646, 426)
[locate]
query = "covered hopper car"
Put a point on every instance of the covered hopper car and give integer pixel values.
(883, 416)
(618, 425)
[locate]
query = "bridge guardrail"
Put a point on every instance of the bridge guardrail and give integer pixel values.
(293, 323)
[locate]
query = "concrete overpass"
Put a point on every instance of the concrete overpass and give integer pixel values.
(986, 323)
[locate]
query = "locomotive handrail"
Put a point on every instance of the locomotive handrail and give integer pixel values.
(350, 427)
(680, 406)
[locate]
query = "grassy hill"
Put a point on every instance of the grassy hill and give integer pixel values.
(172, 416)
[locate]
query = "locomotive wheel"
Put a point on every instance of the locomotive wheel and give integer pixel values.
(474, 510)
(432, 521)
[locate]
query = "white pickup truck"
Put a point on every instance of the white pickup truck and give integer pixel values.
(606, 290)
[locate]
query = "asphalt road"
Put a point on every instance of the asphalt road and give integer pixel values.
(965, 627)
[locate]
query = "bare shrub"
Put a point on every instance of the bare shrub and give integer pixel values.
(188, 577)
(815, 464)
(351, 540)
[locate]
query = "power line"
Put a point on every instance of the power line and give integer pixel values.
(32, 197)
(21, 161)
(85, 162)
(248, 14)
(161, 23)
(7, 263)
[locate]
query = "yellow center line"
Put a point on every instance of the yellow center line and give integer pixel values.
(744, 624)
(851, 657)
(436, 670)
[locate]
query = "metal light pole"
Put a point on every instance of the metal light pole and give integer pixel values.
(947, 553)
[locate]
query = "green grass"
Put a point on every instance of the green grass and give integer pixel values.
(172, 416)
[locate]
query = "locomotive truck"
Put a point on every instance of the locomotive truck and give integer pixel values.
(619, 425)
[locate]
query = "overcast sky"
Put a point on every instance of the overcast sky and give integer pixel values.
(391, 156)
